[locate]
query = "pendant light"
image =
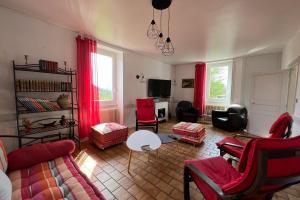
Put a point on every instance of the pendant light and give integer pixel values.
(168, 48)
(164, 45)
(159, 44)
(152, 32)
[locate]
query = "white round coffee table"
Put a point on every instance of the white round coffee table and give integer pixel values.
(142, 140)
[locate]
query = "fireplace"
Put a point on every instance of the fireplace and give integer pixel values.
(161, 111)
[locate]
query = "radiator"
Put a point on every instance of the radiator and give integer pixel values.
(108, 115)
(209, 108)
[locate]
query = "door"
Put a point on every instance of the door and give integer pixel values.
(293, 79)
(296, 101)
(266, 101)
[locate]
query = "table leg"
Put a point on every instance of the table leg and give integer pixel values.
(130, 153)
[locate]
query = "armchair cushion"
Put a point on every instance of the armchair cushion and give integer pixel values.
(3, 157)
(217, 169)
(145, 109)
(23, 158)
(235, 151)
(152, 121)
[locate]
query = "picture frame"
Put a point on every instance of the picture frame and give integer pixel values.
(188, 83)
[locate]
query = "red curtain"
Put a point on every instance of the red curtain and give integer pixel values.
(88, 93)
(199, 90)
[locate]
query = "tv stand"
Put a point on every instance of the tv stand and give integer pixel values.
(161, 111)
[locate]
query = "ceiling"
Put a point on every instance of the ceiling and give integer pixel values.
(201, 30)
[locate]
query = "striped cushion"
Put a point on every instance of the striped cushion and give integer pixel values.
(3, 157)
(189, 127)
(105, 128)
(55, 179)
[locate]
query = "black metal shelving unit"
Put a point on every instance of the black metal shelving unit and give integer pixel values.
(38, 127)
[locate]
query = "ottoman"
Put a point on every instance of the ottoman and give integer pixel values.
(191, 132)
(107, 134)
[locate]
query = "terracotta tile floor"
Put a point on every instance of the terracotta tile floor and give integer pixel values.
(151, 178)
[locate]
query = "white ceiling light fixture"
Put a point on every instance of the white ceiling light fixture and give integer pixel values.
(165, 45)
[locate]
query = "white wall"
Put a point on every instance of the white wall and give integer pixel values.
(22, 35)
(185, 71)
(242, 72)
(136, 64)
(237, 82)
(291, 52)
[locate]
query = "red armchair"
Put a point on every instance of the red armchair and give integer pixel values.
(281, 128)
(145, 114)
(266, 166)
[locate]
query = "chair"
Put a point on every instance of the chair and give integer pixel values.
(145, 114)
(281, 128)
(233, 119)
(267, 166)
(186, 112)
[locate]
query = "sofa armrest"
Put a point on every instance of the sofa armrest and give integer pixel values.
(219, 113)
(32, 155)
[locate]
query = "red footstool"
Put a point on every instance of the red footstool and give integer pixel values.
(108, 134)
(192, 132)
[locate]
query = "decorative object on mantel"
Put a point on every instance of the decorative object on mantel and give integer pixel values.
(165, 45)
(63, 101)
(187, 83)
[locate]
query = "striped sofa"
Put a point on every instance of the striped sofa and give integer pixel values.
(48, 171)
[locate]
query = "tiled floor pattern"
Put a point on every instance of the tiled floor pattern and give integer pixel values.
(150, 177)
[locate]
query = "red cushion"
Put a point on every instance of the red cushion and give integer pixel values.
(279, 127)
(235, 151)
(232, 181)
(32, 155)
(147, 121)
(276, 167)
(145, 109)
(218, 170)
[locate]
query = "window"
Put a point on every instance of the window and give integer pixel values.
(218, 83)
(104, 76)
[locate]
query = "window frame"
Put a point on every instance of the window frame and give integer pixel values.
(224, 101)
(113, 102)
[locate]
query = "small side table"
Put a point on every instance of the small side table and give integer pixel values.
(141, 140)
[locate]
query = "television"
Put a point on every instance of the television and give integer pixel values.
(159, 88)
